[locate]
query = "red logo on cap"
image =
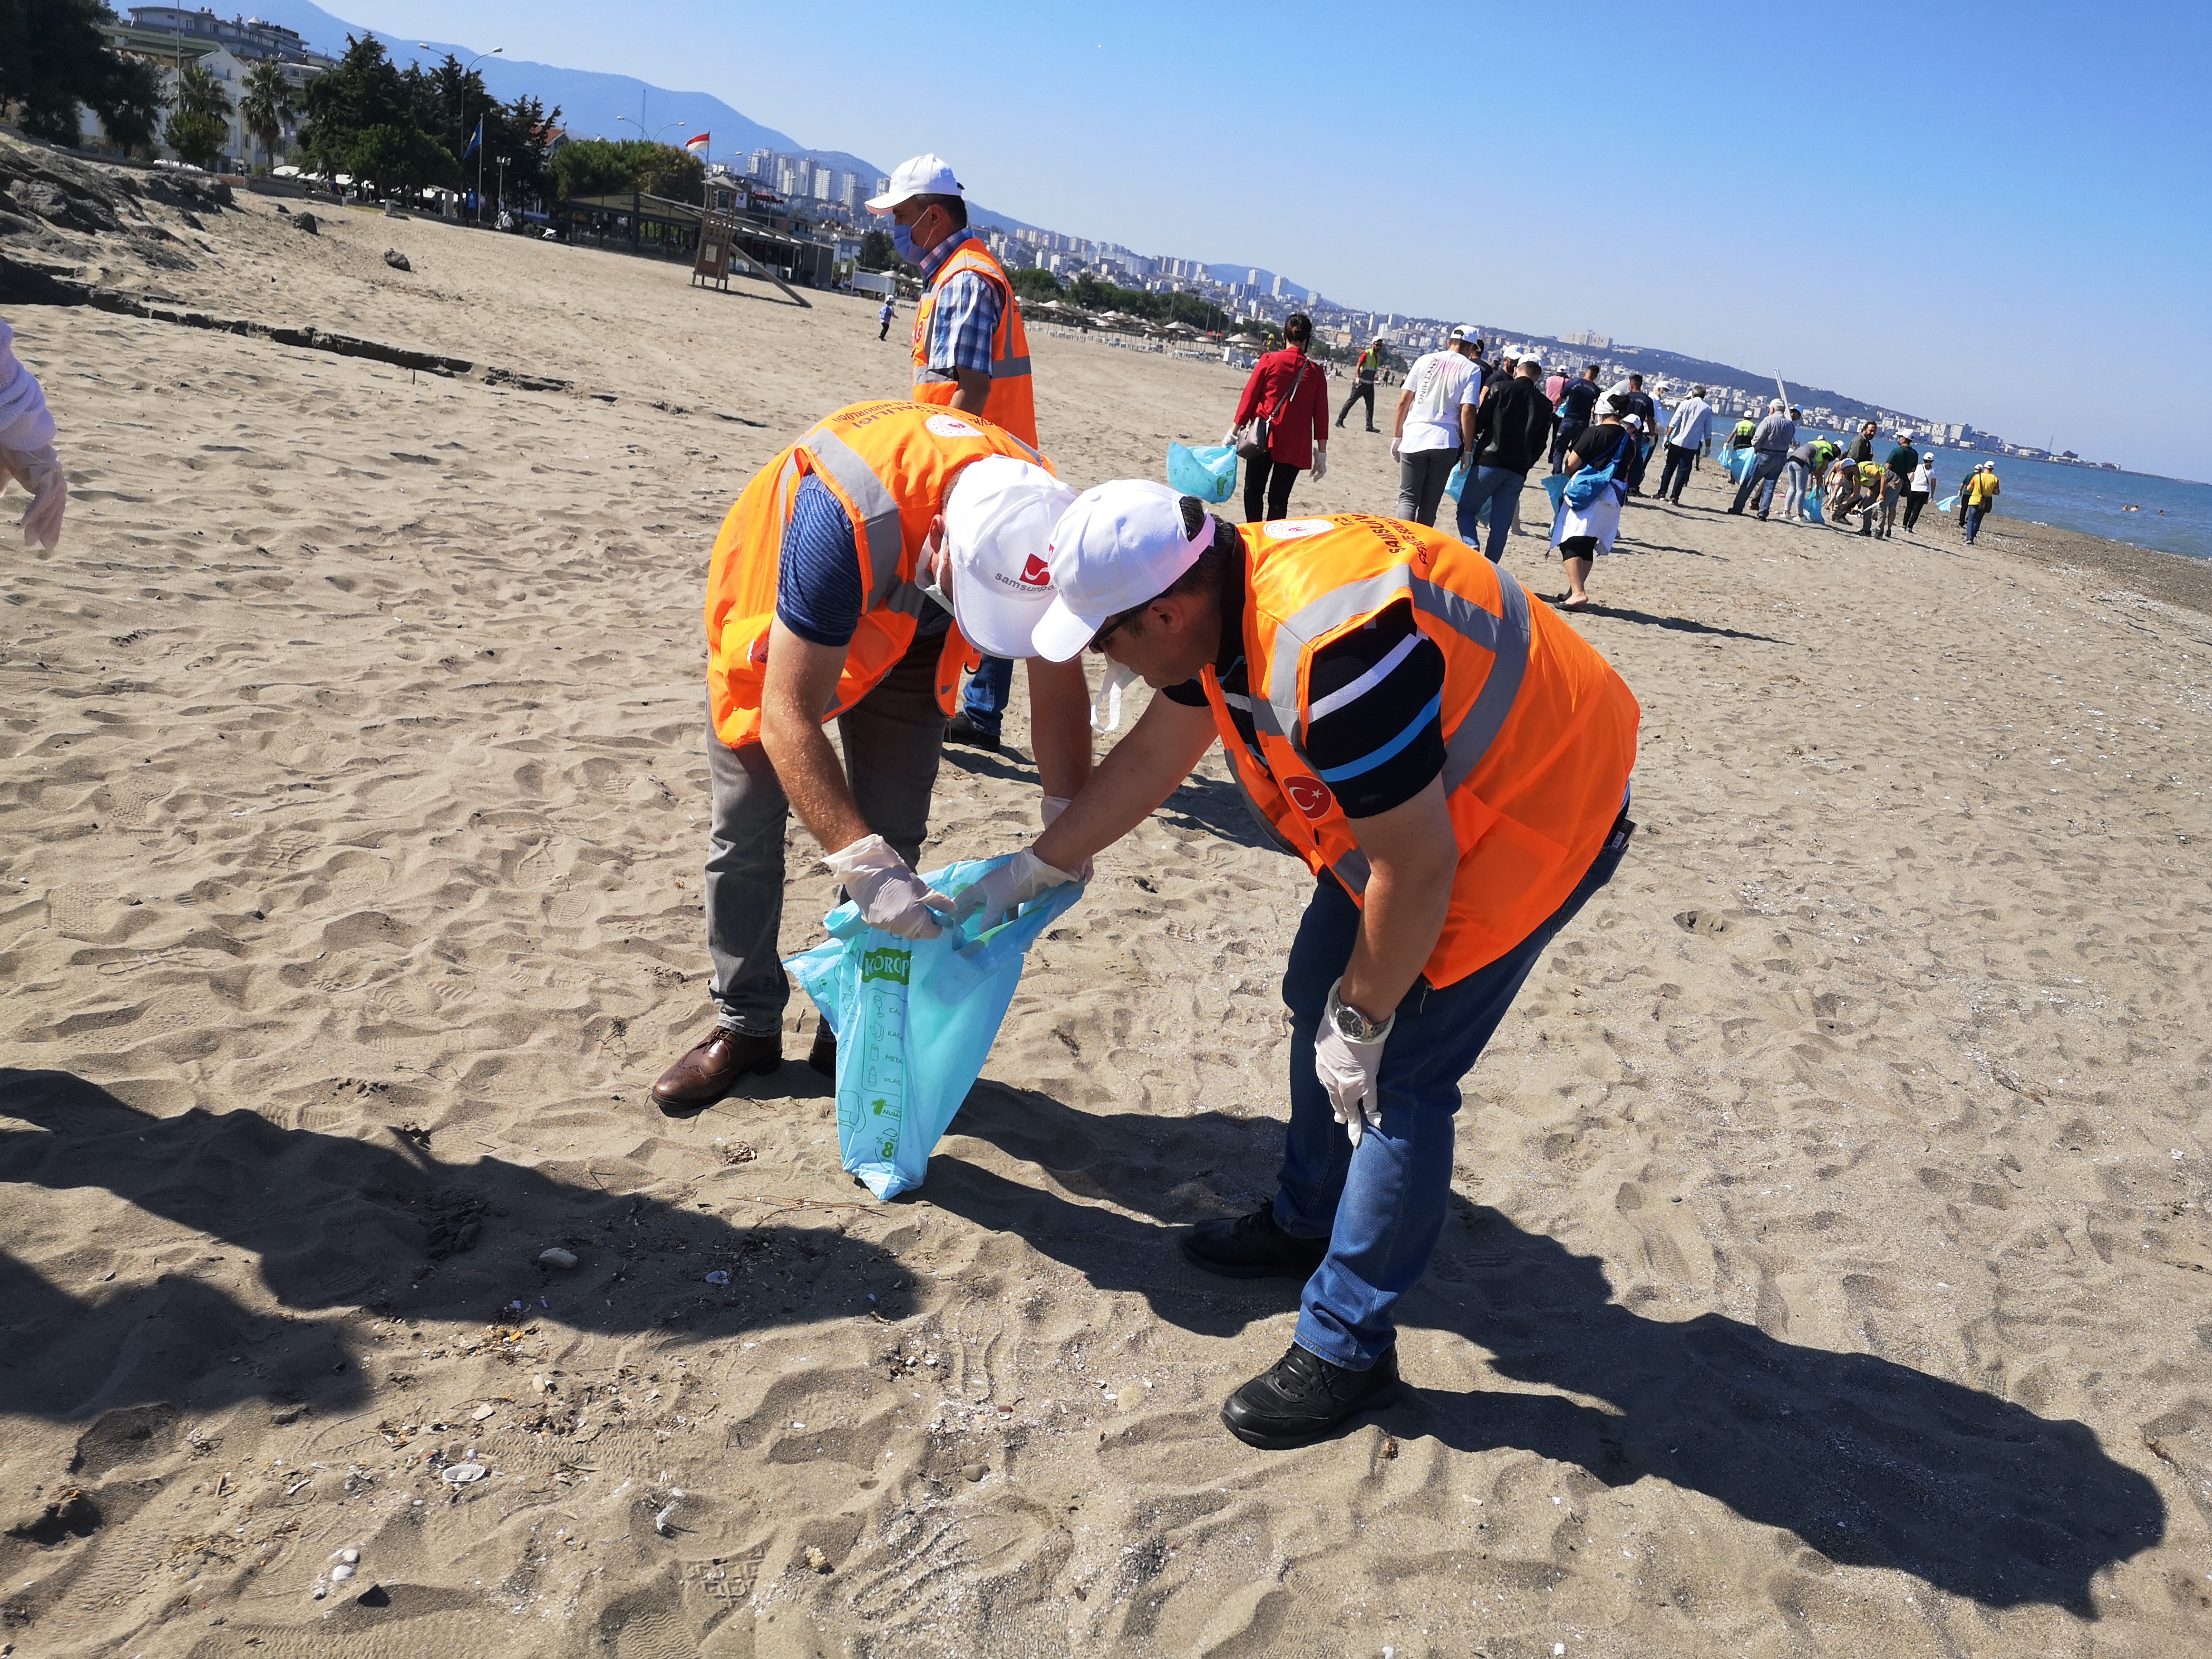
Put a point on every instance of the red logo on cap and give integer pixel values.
(1036, 573)
(1310, 795)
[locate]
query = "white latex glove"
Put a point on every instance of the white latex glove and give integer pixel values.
(1231, 438)
(1321, 462)
(1348, 1071)
(39, 473)
(1006, 889)
(1394, 450)
(890, 895)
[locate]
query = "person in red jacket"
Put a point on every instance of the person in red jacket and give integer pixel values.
(1288, 388)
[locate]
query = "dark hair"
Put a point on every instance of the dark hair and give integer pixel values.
(1617, 403)
(1298, 326)
(1636, 379)
(1589, 368)
(956, 207)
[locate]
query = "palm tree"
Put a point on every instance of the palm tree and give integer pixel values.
(268, 99)
(199, 123)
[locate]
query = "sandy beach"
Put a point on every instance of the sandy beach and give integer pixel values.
(1827, 1271)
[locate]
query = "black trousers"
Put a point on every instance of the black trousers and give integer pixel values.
(1269, 480)
(1361, 390)
(1563, 440)
(1678, 471)
(1914, 501)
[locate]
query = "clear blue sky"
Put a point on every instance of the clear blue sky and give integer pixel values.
(1994, 213)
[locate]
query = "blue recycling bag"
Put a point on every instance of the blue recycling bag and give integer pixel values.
(1947, 503)
(914, 1020)
(1813, 505)
(1457, 482)
(1555, 486)
(1210, 473)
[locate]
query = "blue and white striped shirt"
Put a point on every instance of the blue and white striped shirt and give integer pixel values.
(964, 316)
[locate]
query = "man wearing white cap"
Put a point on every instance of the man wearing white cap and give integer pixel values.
(1450, 760)
(826, 599)
(970, 352)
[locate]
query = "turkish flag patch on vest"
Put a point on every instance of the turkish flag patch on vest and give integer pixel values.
(1310, 795)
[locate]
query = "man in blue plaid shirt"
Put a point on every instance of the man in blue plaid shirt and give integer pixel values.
(954, 330)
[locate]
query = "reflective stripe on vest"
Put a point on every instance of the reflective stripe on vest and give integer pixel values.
(879, 513)
(1505, 637)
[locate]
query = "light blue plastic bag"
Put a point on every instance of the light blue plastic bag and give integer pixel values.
(1209, 473)
(1948, 504)
(914, 1020)
(1457, 482)
(1555, 486)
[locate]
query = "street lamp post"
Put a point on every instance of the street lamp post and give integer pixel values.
(495, 52)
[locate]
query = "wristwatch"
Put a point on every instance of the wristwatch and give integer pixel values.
(1352, 1025)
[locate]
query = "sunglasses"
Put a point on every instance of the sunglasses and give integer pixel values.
(1113, 626)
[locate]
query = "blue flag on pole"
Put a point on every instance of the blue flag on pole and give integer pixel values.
(476, 141)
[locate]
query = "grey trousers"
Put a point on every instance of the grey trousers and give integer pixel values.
(892, 738)
(1422, 476)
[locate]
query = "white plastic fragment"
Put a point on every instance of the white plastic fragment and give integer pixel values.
(556, 1257)
(340, 1573)
(462, 1475)
(349, 1557)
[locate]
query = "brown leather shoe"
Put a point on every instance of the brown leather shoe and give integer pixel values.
(704, 1075)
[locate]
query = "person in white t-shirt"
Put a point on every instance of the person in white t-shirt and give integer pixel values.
(1435, 423)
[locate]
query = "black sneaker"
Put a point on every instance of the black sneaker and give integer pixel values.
(1302, 1397)
(1253, 1247)
(963, 730)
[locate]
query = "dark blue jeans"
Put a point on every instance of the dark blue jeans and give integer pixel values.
(984, 702)
(1501, 487)
(1382, 1206)
(1974, 517)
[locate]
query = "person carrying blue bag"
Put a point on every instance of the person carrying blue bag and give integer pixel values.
(1589, 502)
(827, 598)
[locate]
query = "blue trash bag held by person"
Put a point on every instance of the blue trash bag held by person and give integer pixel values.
(914, 1020)
(1457, 482)
(1209, 473)
(1555, 486)
(1813, 505)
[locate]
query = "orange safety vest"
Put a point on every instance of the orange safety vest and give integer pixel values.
(1539, 732)
(891, 467)
(1009, 404)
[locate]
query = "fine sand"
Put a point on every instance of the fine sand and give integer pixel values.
(1826, 1271)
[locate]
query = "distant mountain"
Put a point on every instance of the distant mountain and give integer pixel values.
(590, 101)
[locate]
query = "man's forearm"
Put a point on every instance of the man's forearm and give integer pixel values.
(813, 781)
(1060, 725)
(975, 390)
(1401, 917)
(1143, 770)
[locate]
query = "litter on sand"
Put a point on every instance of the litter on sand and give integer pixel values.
(462, 1475)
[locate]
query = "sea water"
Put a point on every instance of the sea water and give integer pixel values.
(2171, 515)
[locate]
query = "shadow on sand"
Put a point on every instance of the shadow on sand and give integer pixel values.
(334, 1224)
(1871, 1462)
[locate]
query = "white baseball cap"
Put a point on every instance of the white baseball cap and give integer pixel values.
(1114, 547)
(1464, 331)
(922, 175)
(998, 519)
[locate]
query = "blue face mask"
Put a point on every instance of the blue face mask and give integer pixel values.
(903, 239)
